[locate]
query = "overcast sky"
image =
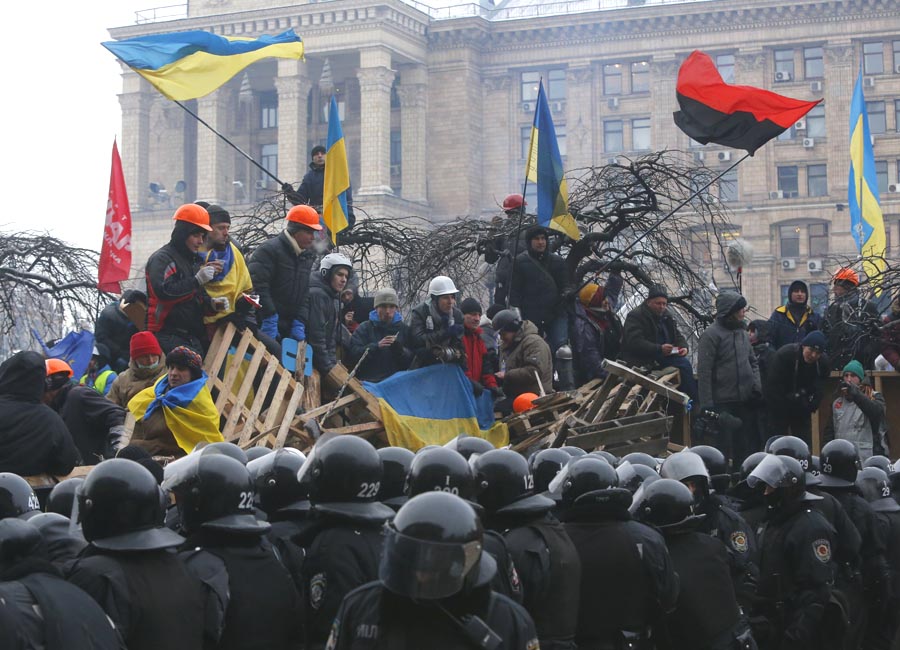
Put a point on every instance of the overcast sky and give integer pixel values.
(61, 115)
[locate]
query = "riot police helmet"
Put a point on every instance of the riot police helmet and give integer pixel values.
(226, 448)
(275, 481)
(16, 497)
(840, 464)
(750, 463)
(19, 540)
(628, 477)
(440, 470)
(797, 449)
(647, 475)
(875, 487)
(574, 452)
(610, 457)
(62, 497)
(257, 452)
(641, 458)
(545, 465)
(716, 465)
(667, 504)
(468, 445)
(881, 462)
(583, 476)
(686, 466)
(395, 464)
(504, 484)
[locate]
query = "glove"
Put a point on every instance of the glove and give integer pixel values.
(497, 392)
(298, 331)
(456, 330)
(116, 436)
(205, 274)
(477, 389)
(287, 187)
(269, 326)
(853, 391)
(221, 303)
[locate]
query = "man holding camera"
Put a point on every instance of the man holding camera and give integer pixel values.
(436, 327)
(857, 414)
(793, 386)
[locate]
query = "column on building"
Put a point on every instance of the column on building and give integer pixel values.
(293, 86)
(501, 161)
(136, 100)
(215, 159)
(753, 69)
(840, 78)
(375, 81)
(412, 91)
(580, 100)
(663, 74)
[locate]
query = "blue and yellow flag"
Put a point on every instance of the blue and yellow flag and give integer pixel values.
(866, 219)
(545, 170)
(187, 65)
(337, 176)
(232, 282)
(433, 405)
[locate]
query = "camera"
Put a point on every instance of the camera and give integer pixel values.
(446, 354)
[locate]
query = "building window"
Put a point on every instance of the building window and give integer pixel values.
(789, 237)
(789, 133)
(640, 134)
(269, 160)
(612, 79)
(784, 62)
(613, 140)
(561, 139)
(877, 118)
(530, 82)
(896, 56)
(725, 64)
(818, 239)
(556, 84)
(787, 181)
(897, 114)
(268, 111)
(816, 181)
(524, 141)
(396, 152)
(640, 77)
(813, 63)
(728, 187)
(700, 248)
(873, 58)
(815, 122)
(881, 173)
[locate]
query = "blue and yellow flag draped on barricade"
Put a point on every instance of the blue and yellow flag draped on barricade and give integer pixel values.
(337, 176)
(544, 169)
(433, 405)
(866, 219)
(189, 411)
(191, 64)
(75, 349)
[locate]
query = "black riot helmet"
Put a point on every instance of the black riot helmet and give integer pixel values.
(468, 445)
(574, 452)
(275, 481)
(840, 464)
(433, 549)
(784, 475)
(16, 496)
(18, 540)
(610, 457)
(797, 449)
(668, 505)
(440, 470)
(227, 449)
(395, 463)
(628, 477)
(881, 462)
(62, 496)
(582, 476)
(504, 484)
(875, 487)
(687, 466)
(119, 507)
(257, 452)
(750, 463)
(716, 465)
(647, 475)
(640, 458)
(344, 478)
(213, 492)
(545, 465)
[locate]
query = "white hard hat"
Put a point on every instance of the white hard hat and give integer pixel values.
(442, 286)
(334, 259)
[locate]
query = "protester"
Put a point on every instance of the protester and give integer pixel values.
(525, 359)
(385, 337)
(793, 386)
(113, 329)
(436, 326)
(597, 331)
(851, 323)
(312, 186)
(480, 363)
(99, 375)
(791, 322)
(144, 368)
(177, 412)
(33, 437)
(858, 414)
(175, 281)
(321, 310)
(501, 248)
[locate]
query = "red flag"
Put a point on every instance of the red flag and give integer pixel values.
(115, 256)
(743, 117)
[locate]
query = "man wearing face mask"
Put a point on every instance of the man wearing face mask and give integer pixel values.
(144, 368)
(597, 334)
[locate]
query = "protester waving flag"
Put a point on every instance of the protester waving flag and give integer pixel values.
(742, 117)
(337, 176)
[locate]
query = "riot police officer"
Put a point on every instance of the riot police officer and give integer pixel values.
(17, 499)
(395, 462)
(547, 561)
(251, 599)
(127, 567)
(750, 503)
(707, 616)
(614, 550)
(417, 602)
(544, 465)
(468, 445)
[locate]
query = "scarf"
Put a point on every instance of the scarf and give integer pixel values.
(232, 282)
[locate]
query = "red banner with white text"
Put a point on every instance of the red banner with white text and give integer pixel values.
(115, 256)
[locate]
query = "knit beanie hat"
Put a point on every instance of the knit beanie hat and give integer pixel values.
(816, 340)
(591, 294)
(217, 214)
(144, 343)
(657, 291)
(184, 357)
(386, 296)
(856, 368)
(471, 306)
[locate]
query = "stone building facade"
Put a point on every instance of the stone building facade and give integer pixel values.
(437, 107)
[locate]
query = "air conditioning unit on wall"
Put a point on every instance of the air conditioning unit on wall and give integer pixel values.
(788, 264)
(782, 76)
(776, 194)
(612, 102)
(815, 266)
(724, 156)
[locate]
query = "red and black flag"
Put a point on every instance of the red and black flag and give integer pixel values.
(742, 117)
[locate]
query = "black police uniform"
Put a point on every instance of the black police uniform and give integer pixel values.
(739, 539)
(371, 618)
(628, 582)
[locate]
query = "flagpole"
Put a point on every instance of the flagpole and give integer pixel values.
(229, 142)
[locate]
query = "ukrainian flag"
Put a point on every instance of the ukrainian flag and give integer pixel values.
(545, 170)
(337, 176)
(866, 219)
(433, 405)
(187, 65)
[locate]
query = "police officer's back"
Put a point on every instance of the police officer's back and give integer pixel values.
(545, 558)
(627, 579)
(128, 567)
(251, 599)
(418, 603)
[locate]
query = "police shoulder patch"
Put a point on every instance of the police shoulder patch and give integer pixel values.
(822, 549)
(317, 586)
(739, 541)
(533, 644)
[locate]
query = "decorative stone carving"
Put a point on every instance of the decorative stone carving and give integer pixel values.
(411, 95)
(497, 83)
(839, 54)
(377, 78)
(581, 75)
(294, 87)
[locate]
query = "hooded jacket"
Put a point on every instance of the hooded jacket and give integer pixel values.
(791, 383)
(114, 330)
(94, 422)
(538, 284)
(380, 363)
(280, 273)
(313, 186)
(33, 438)
(321, 312)
(133, 381)
(526, 355)
(787, 327)
(727, 369)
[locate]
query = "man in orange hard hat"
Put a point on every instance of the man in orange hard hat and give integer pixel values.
(175, 279)
(851, 323)
(280, 270)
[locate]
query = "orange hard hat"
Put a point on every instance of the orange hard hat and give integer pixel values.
(513, 202)
(524, 402)
(847, 274)
(305, 215)
(193, 213)
(58, 365)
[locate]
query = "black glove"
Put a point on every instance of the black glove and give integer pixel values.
(853, 391)
(287, 187)
(477, 389)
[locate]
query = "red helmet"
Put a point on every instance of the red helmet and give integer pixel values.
(848, 275)
(514, 202)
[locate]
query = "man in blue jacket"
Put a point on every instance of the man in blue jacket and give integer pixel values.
(384, 335)
(794, 319)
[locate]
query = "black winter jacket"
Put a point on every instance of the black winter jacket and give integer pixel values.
(90, 418)
(380, 363)
(321, 312)
(791, 383)
(592, 344)
(176, 300)
(311, 189)
(280, 276)
(640, 339)
(33, 438)
(428, 330)
(537, 286)
(114, 330)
